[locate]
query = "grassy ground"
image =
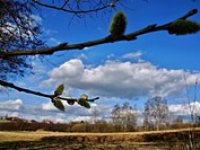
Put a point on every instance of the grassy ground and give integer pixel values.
(35, 136)
(4, 120)
(160, 140)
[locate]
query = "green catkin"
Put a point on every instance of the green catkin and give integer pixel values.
(118, 24)
(182, 27)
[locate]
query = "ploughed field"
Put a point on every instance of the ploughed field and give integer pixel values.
(181, 139)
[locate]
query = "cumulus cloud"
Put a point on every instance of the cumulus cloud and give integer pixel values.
(17, 108)
(121, 79)
(185, 109)
(11, 104)
(46, 111)
(76, 112)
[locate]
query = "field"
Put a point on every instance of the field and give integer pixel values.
(160, 140)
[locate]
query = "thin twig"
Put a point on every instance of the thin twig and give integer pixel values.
(71, 10)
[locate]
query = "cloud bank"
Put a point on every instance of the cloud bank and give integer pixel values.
(17, 108)
(121, 79)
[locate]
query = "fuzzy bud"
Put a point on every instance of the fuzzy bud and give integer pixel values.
(182, 27)
(118, 24)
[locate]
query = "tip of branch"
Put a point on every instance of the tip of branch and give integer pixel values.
(190, 13)
(194, 11)
(93, 99)
(96, 98)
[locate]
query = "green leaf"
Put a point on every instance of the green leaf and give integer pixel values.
(118, 24)
(83, 102)
(182, 27)
(58, 104)
(59, 90)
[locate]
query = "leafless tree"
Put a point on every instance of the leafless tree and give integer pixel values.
(95, 115)
(125, 116)
(156, 112)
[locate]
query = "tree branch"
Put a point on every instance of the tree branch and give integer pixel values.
(51, 96)
(108, 39)
(74, 11)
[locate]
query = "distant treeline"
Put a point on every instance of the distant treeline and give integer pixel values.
(58, 127)
(78, 127)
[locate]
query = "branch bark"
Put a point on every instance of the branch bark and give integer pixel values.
(50, 96)
(107, 39)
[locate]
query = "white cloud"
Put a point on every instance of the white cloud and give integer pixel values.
(54, 40)
(82, 118)
(47, 111)
(82, 57)
(134, 55)
(11, 104)
(48, 106)
(185, 109)
(14, 114)
(36, 18)
(85, 48)
(77, 113)
(121, 79)
(1, 88)
(15, 30)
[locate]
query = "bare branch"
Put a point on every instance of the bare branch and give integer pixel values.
(11, 85)
(51, 96)
(78, 11)
(108, 39)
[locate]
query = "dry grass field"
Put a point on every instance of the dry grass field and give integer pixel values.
(161, 140)
(35, 136)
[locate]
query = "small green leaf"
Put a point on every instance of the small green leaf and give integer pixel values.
(58, 104)
(182, 27)
(118, 24)
(59, 90)
(83, 103)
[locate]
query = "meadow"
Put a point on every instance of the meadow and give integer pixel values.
(161, 140)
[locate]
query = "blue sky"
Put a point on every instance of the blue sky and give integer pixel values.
(154, 64)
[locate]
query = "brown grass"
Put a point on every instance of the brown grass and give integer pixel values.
(39, 135)
(160, 140)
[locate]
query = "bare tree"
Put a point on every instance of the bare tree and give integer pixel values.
(116, 114)
(147, 119)
(125, 116)
(18, 30)
(178, 122)
(95, 115)
(193, 111)
(156, 112)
